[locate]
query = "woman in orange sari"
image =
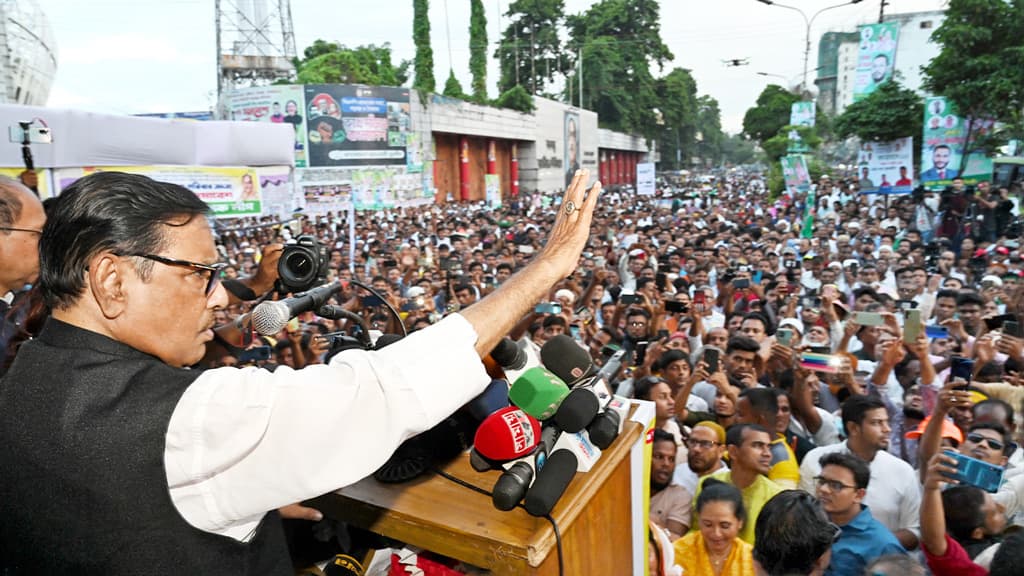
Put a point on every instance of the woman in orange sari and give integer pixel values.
(715, 548)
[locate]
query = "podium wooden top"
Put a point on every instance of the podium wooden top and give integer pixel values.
(437, 514)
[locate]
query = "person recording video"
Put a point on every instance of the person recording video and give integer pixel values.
(120, 459)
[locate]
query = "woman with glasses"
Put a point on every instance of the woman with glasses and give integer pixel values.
(715, 548)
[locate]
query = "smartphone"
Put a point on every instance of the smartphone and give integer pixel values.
(975, 472)
(661, 281)
(741, 283)
(629, 299)
(869, 319)
(257, 354)
(996, 322)
(1012, 328)
(830, 291)
(548, 308)
(961, 367)
(676, 306)
(826, 363)
(784, 336)
(912, 326)
(609, 350)
(699, 297)
(293, 325)
(390, 263)
(936, 332)
(819, 349)
(371, 301)
(811, 302)
(710, 357)
(640, 353)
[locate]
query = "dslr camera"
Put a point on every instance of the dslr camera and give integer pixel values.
(303, 265)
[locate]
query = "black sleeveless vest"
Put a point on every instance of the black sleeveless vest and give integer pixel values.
(83, 489)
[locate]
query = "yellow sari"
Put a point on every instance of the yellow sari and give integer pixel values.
(692, 555)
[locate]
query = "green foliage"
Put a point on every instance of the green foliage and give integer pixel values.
(709, 127)
(620, 39)
(530, 52)
(452, 87)
(677, 102)
(737, 150)
(888, 113)
(516, 98)
(770, 113)
(980, 65)
(424, 61)
(478, 50)
(332, 63)
(775, 147)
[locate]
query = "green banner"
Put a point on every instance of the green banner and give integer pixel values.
(876, 57)
(945, 137)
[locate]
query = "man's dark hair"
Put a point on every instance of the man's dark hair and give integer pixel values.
(939, 147)
(663, 436)
(1005, 436)
(792, 532)
(856, 407)
(734, 435)
(946, 293)
(866, 290)
(763, 401)
(968, 297)
(760, 318)
(461, 288)
(671, 356)
(638, 312)
(962, 508)
(713, 490)
(504, 266)
(1009, 559)
(860, 469)
(554, 321)
(108, 211)
(995, 402)
(10, 200)
(642, 389)
(742, 343)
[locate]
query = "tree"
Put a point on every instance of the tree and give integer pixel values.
(776, 147)
(478, 50)
(619, 41)
(770, 114)
(452, 87)
(530, 52)
(332, 63)
(424, 53)
(737, 150)
(889, 113)
(516, 98)
(677, 97)
(980, 65)
(709, 127)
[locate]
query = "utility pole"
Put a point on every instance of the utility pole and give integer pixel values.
(881, 11)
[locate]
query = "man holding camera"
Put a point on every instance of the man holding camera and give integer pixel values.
(130, 462)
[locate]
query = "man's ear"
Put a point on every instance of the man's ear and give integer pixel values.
(105, 277)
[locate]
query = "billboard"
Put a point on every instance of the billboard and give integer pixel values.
(229, 191)
(645, 179)
(802, 114)
(572, 145)
(278, 104)
(351, 125)
(945, 134)
(876, 57)
(886, 167)
(795, 173)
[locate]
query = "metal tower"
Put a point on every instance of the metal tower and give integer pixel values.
(255, 44)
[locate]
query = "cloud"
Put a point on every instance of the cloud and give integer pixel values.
(119, 48)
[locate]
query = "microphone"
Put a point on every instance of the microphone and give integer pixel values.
(551, 482)
(577, 410)
(514, 359)
(511, 486)
(270, 317)
(492, 399)
(608, 424)
(566, 359)
(507, 434)
(582, 447)
(538, 392)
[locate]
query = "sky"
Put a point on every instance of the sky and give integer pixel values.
(136, 56)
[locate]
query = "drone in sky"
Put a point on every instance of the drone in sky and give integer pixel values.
(734, 62)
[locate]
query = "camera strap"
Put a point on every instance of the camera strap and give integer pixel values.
(239, 290)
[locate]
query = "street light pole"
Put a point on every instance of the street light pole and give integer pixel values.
(809, 22)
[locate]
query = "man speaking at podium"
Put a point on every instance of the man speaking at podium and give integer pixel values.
(117, 459)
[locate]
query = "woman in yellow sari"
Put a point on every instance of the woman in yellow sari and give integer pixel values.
(715, 548)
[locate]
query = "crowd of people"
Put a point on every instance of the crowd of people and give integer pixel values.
(817, 370)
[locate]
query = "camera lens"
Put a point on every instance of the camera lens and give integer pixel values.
(299, 265)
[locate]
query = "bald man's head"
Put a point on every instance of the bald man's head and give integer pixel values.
(21, 223)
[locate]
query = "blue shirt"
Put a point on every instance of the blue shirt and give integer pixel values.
(862, 540)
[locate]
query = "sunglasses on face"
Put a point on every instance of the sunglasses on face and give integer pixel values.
(992, 443)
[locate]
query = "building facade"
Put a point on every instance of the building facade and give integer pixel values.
(28, 53)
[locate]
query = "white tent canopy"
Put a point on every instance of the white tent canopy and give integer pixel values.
(90, 139)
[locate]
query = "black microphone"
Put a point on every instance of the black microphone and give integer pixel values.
(551, 482)
(566, 359)
(578, 410)
(269, 317)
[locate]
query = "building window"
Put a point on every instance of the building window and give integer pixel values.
(926, 24)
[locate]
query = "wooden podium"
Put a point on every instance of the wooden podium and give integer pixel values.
(594, 517)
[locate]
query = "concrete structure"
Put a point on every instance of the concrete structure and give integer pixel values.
(837, 58)
(28, 53)
(255, 43)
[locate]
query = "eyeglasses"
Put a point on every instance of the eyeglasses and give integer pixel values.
(638, 324)
(12, 229)
(214, 270)
(833, 485)
(702, 444)
(992, 443)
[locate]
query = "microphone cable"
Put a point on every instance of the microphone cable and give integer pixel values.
(394, 313)
(479, 490)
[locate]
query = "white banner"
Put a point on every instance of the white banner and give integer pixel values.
(645, 179)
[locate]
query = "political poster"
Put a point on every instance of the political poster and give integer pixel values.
(229, 191)
(795, 173)
(645, 179)
(276, 191)
(277, 104)
(876, 57)
(886, 167)
(492, 187)
(945, 136)
(802, 114)
(324, 190)
(350, 125)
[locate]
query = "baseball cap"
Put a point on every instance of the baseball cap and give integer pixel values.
(949, 430)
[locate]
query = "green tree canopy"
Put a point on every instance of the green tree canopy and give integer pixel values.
(478, 49)
(770, 114)
(332, 63)
(709, 128)
(776, 146)
(424, 60)
(453, 88)
(677, 102)
(530, 53)
(888, 113)
(516, 98)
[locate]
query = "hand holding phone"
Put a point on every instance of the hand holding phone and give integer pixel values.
(974, 472)
(710, 358)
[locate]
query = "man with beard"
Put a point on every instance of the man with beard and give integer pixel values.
(670, 503)
(704, 455)
(897, 499)
(750, 456)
